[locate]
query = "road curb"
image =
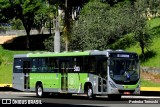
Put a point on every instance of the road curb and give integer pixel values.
(5, 85)
(150, 89)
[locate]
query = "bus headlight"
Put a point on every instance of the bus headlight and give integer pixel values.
(112, 85)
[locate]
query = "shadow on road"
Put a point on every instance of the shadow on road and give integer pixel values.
(8, 89)
(150, 93)
(84, 98)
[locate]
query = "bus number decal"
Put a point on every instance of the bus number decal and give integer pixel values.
(76, 68)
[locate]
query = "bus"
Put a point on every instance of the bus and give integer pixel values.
(109, 72)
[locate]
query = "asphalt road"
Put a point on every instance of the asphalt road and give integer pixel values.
(15, 97)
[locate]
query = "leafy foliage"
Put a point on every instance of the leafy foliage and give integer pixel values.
(16, 24)
(141, 29)
(24, 10)
(124, 42)
(101, 25)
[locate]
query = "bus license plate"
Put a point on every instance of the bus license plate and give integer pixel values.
(127, 93)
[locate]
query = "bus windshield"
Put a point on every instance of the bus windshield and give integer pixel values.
(122, 71)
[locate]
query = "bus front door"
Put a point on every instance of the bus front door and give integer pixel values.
(102, 73)
(26, 71)
(64, 67)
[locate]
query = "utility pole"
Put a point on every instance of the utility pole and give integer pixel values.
(57, 32)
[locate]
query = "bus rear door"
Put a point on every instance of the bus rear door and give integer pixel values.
(64, 68)
(26, 71)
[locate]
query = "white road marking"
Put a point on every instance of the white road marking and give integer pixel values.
(141, 97)
(9, 92)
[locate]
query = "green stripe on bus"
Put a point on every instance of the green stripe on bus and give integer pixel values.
(130, 86)
(53, 80)
(49, 54)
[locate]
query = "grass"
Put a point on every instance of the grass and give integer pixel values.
(154, 23)
(154, 57)
(147, 83)
(154, 60)
(6, 59)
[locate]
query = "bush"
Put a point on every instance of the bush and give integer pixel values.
(49, 44)
(124, 42)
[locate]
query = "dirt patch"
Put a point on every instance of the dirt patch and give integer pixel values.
(7, 39)
(151, 76)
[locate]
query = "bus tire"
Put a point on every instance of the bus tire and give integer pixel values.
(90, 94)
(39, 90)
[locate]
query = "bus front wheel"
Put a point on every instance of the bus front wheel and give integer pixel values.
(39, 91)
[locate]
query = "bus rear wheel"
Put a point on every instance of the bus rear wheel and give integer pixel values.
(90, 94)
(39, 90)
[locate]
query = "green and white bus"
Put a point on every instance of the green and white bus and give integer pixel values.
(109, 72)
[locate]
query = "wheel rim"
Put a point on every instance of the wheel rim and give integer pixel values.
(89, 92)
(39, 91)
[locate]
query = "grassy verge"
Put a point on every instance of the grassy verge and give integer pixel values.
(148, 83)
(6, 64)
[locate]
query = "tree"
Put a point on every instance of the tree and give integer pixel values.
(6, 10)
(140, 27)
(100, 25)
(69, 7)
(24, 10)
(153, 6)
(16, 24)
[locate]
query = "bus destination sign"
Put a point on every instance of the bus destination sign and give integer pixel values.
(123, 55)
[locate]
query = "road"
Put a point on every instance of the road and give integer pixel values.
(77, 100)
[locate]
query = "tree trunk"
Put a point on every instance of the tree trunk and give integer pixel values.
(66, 26)
(57, 36)
(142, 48)
(66, 46)
(50, 28)
(27, 26)
(28, 39)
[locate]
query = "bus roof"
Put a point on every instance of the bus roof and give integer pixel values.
(75, 53)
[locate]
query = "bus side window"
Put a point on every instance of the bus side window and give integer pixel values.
(34, 65)
(77, 64)
(52, 65)
(17, 65)
(102, 68)
(92, 66)
(89, 64)
(42, 65)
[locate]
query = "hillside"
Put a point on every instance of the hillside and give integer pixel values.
(153, 57)
(152, 61)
